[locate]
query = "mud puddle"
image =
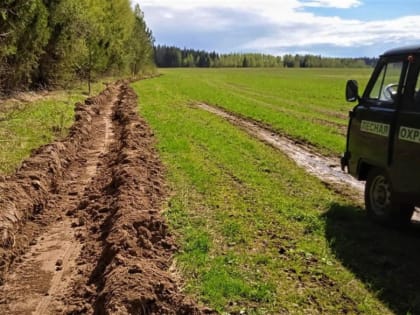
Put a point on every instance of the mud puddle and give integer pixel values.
(80, 227)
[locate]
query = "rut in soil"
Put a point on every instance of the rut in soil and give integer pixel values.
(80, 228)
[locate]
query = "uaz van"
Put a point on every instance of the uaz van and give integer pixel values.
(383, 138)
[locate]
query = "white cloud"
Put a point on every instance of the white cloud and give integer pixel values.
(340, 4)
(272, 25)
(338, 32)
(273, 9)
(261, 4)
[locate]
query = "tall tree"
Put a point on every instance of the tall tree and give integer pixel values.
(70, 22)
(140, 43)
(119, 23)
(24, 33)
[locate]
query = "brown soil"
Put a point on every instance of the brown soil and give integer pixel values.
(80, 224)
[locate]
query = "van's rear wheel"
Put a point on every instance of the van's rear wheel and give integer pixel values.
(380, 200)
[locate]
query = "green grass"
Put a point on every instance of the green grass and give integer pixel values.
(25, 126)
(257, 233)
(307, 104)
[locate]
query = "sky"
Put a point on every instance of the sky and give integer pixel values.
(332, 28)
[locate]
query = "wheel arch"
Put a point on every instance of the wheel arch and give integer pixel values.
(363, 170)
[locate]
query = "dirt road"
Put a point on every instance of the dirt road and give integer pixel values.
(80, 224)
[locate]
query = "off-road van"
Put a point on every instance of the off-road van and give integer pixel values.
(383, 137)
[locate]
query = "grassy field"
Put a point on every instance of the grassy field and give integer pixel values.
(257, 234)
(307, 104)
(26, 125)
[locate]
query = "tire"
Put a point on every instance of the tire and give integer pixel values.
(380, 201)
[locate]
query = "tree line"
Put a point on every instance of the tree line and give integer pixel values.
(170, 56)
(46, 43)
(313, 61)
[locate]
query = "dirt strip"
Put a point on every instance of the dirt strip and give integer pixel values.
(325, 168)
(80, 224)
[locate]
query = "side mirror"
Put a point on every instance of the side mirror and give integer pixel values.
(352, 91)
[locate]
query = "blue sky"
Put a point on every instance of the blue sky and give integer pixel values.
(341, 28)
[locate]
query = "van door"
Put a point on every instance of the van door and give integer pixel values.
(405, 170)
(371, 128)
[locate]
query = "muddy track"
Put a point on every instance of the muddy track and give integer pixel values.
(327, 169)
(80, 224)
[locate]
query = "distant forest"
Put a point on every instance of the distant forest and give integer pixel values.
(170, 56)
(46, 43)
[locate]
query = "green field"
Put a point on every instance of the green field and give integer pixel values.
(307, 104)
(256, 233)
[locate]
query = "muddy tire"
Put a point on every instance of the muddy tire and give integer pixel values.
(380, 201)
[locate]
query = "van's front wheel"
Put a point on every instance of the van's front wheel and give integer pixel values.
(380, 200)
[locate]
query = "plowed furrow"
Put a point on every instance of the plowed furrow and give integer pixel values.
(90, 211)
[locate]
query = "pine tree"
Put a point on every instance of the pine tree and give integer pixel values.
(24, 33)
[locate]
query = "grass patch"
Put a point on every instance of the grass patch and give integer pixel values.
(258, 234)
(25, 126)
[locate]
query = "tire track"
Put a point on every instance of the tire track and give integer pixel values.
(325, 168)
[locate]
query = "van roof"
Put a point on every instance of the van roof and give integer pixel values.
(403, 50)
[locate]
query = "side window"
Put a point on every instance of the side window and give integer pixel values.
(417, 93)
(386, 85)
